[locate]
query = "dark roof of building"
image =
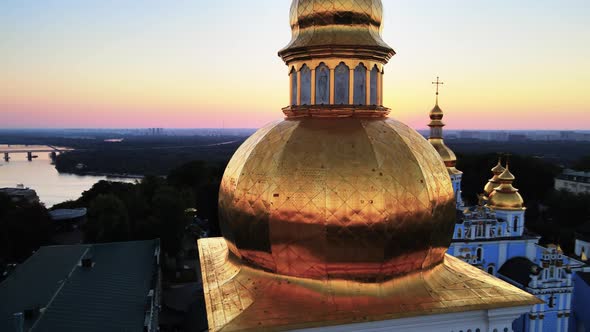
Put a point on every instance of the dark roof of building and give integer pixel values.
(585, 276)
(109, 296)
(518, 269)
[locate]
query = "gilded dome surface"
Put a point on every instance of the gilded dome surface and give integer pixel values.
(351, 198)
(328, 28)
(506, 200)
(494, 181)
(505, 196)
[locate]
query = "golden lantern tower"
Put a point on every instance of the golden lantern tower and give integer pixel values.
(337, 214)
(436, 138)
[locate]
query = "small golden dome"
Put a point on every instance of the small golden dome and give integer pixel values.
(336, 28)
(352, 198)
(505, 196)
(447, 155)
(506, 176)
(436, 114)
(494, 181)
(498, 169)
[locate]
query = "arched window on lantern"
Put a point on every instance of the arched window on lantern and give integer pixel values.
(293, 86)
(360, 85)
(322, 84)
(374, 79)
(305, 73)
(341, 84)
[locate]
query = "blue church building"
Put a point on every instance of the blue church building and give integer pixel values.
(492, 236)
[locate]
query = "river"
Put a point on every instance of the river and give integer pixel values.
(40, 175)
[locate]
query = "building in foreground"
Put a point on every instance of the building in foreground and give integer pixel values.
(100, 287)
(339, 218)
(573, 181)
(492, 237)
(20, 194)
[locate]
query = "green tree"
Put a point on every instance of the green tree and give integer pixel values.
(582, 165)
(24, 228)
(168, 208)
(108, 220)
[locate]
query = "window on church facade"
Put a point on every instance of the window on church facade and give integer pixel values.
(459, 233)
(293, 87)
(515, 224)
(374, 77)
(305, 73)
(479, 253)
(342, 84)
(551, 301)
(491, 270)
(480, 230)
(360, 85)
(322, 84)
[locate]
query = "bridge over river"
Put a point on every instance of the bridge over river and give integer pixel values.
(7, 150)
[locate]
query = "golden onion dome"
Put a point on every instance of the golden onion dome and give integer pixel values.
(506, 176)
(494, 181)
(498, 169)
(436, 114)
(350, 198)
(505, 196)
(336, 28)
(447, 155)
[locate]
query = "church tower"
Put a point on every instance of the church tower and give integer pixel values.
(437, 140)
(339, 217)
(508, 204)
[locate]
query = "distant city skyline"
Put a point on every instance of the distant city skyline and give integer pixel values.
(127, 64)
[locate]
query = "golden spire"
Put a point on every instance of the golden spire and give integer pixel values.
(505, 196)
(494, 181)
(436, 134)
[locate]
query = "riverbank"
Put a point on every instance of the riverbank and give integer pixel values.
(109, 176)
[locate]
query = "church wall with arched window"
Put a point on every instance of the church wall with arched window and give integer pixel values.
(373, 88)
(346, 82)
(294, 88)
(322, 85)
(360, 85)
(342, 84)
(305, 74)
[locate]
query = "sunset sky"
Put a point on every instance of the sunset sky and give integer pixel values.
(193, 63)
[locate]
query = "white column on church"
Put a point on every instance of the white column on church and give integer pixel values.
(532, 325)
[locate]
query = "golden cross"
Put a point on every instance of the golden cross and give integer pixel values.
(507, 156)
(438, 84)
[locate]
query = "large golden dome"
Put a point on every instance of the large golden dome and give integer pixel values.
(351, 198)
(336, 28)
